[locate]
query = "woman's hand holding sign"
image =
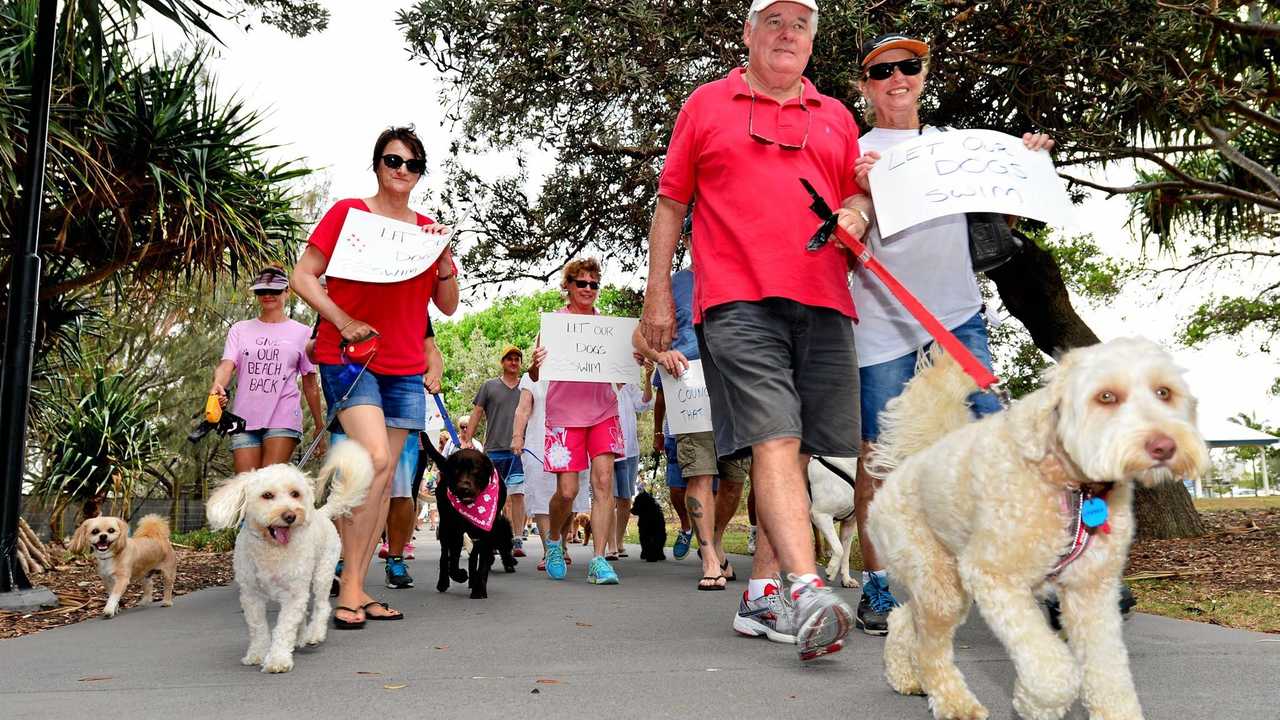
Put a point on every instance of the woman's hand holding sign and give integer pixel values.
(1037, 141)
(862, 168)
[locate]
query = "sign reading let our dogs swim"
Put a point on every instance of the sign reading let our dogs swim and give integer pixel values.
(688, 406)
(588, 348)
(963, 171)
(375, 249)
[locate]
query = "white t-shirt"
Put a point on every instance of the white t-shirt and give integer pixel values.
(630, 404)
(932, 261)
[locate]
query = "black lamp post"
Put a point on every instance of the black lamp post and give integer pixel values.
(16, 591)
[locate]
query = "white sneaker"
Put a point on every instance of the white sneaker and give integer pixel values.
(822, 620)
(768, 615)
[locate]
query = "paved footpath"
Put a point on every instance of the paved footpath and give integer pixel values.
(652, 647)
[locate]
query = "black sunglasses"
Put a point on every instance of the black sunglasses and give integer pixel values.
(417, 166)
(884, 70)
(261, 292)
(587, 284)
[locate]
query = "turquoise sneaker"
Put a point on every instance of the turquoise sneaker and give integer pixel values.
(681, 547)
(599, 572)
(555, 561)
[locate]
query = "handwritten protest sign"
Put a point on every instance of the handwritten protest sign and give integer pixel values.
(375, 249)
(688, 406)
(588, 348)
(964, 171)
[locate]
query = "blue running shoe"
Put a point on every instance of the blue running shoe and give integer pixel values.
(555, 561)
(600, 572)
(336, 584)
(681, 546)
(398, 576)
(875, 604)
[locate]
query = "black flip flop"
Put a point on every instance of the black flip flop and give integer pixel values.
(381, 618)
(710, 588)
(340, 624)
(731, 577)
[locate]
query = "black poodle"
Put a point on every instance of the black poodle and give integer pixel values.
(653, 527)
(469, 493)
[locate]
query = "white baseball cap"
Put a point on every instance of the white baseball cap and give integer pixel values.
(758, 5)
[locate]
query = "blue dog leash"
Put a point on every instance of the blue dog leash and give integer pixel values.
(448, 422)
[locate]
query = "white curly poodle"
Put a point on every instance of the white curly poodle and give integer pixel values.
(286, 548)
(997, 511)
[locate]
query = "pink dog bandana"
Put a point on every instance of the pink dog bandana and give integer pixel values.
(483, 510)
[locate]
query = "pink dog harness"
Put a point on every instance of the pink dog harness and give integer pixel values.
(482, 511)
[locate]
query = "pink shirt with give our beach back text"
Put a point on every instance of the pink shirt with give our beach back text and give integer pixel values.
(269, 357)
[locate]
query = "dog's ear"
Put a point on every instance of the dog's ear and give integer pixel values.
(436, 456)
(226, 505)
(80, 540)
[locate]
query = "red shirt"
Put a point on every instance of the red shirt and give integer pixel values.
(752, 220)
(398, 311)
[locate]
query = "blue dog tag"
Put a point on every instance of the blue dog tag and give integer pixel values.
(1093, 513)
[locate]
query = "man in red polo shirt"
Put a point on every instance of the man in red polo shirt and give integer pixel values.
(772, 318)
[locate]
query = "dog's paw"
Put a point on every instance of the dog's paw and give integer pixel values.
(442, 585)
(110, 611)
(312, 636)
(478, 594)
(509, 568)
(277, 663)
(847, 581)
(459, 575)
(960, 706)
(166, 603)
(253, 657)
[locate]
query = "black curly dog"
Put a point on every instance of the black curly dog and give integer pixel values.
(468, 473)
(653, 527)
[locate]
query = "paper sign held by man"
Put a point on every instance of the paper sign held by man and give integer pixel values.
(688, 405)
(376, 249)
(963, 171)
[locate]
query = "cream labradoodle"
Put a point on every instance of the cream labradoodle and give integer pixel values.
(991, 511)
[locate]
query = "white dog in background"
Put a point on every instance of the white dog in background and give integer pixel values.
(831, 501)
(992, 511)
(286, 548)
(123, 559)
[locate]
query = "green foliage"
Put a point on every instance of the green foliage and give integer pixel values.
(99, 437)
(154, 179)
(206, 540)
(1185, 93)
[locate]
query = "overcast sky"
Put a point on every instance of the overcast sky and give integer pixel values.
(329, 96)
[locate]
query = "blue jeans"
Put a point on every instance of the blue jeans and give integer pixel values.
(885, 381)
(624, 477)
(402, 398)
(674, 477)
(406, 464)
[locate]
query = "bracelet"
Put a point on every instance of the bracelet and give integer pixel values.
(442, 278)
(344, 327)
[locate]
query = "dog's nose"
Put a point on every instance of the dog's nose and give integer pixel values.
(1161, 447)
(289, 517)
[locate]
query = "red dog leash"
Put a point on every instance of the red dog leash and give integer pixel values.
(956, 349)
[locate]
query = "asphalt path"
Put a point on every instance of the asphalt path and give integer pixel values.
(652, 647)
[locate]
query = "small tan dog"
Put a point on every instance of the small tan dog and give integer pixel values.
(998, 510)
(287, 547)
(123, 559)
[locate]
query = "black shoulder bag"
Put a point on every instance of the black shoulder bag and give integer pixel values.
(991, 242)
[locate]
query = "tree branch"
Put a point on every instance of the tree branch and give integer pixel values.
(1112, 191)
(1231, 153)
(1255, 115)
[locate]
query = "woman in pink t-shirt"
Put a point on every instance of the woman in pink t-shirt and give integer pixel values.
(582, 431)
(267, 354)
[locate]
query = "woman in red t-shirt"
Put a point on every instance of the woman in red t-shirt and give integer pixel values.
(386, 402)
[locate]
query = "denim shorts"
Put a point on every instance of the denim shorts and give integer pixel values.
(624, 477)
(406, 465)
(402, 398)
(776, 368)
(254, 438)
(884, 381)
(509, 470)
